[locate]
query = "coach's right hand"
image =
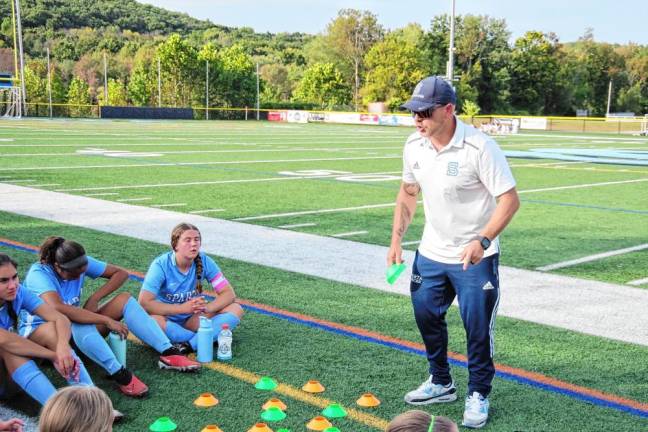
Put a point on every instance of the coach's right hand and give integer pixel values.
(395, 254)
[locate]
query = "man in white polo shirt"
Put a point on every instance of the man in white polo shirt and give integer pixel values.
(469, 197)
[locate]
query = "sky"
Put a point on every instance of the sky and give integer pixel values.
(619, 21)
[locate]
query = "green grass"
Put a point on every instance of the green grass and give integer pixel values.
(293, 353)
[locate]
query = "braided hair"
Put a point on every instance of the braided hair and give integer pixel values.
(6, 260)
(176, 233)
(57, 250)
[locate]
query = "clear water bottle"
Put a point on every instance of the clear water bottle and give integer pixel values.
(224, 352)
(117, 345)
(205, 341)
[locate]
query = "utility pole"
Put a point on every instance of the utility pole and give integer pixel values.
(207, 91)
(159, 84)
(22, 58)
(105, 79)
(258, 99)
(450, 68)
(607, 111)
(49, 82)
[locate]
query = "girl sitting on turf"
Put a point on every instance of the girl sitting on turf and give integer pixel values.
(58, 279)
(420, 421)
(52, 343)
(172, 290)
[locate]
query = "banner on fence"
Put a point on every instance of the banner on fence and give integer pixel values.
(297, 116)
(537, 123)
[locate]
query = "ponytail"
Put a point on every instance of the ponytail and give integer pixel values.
(47, 252)
(199, 270)
(68, 254)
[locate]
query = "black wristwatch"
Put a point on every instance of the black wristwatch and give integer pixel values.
(484, 241)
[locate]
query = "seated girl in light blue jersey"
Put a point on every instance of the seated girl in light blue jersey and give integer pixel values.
(172, 290)
(16, 352)
(58, 279)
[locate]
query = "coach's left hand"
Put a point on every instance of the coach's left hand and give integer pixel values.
(472, 254)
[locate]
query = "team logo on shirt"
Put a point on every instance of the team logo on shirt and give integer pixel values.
(416, 165)
(453, 169)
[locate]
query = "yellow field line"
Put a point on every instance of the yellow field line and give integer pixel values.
(286, 390)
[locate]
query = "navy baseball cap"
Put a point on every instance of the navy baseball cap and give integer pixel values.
(430, 92)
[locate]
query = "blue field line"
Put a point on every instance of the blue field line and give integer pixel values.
(403, 348)
(586, 206)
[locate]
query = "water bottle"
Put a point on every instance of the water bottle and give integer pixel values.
(117, 345)
(205, 341)
(224, 344)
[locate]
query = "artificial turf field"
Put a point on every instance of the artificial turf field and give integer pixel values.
(302, 175)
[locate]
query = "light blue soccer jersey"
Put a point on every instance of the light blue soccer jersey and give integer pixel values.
(170, 285)
(42, 278)
(25, 300)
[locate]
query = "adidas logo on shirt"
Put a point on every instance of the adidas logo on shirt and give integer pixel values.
(488, 286)
(416, 165)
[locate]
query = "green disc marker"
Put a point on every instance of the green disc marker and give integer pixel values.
(332, 429)
(283, 430)
(265, 383)
(394, 271)
(163, 424)
(273, 414)
(334, 411)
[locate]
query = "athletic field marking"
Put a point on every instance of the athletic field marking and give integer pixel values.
(638, 282)
(349, 234)
(408, 243)
(585, 206)
(169, 205)
(583, 185)
(206, 211)
(176, 164)
(590, 258)
(101, 194)
(23, 181)
(124, 153)
(134, 199)
(200, 183)
(509, 373)
(307, 212)
(299, 225)
(45, 184)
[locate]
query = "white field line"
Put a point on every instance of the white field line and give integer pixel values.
(546, 164)
(206, 211)
(134, 199)
(408, 243)
(45, 184)
(299, 225)
(590, 258)
(583, 185)
(186, 152)
(349, 234)
(638, 282)
(169, 205)
(581, 137)
(101, 194)
(176, 164)
(201, 183)
(23, 181)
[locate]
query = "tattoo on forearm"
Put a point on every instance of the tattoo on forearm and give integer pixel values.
(405, 219)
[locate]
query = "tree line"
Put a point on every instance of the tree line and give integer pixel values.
(353, 62)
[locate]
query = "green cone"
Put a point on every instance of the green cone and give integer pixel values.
(273, 414)
(334, 411)
(332, 429)
(283, 430)
(266, 383)
(394, 271)
(163, 424)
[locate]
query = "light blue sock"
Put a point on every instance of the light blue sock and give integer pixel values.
(84, 376)
(145, 327)
(217, 323)
(34, 382)
(90, 342)
(177, 333)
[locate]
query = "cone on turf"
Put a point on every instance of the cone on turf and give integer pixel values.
(334, 411)
(313, 386)
(260, 427)
(332, 429)
(163, 424)
(368, 400)
(273, 414)
(319, 423)
(206, 400)
(274, 402)
(211, 428)
(266, 383)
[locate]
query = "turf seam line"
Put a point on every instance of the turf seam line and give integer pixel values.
(509, 373)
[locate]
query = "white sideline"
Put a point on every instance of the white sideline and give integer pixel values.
(594, 257)
(638, 282)
(597, 308)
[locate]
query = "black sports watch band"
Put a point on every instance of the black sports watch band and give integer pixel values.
(484, 241)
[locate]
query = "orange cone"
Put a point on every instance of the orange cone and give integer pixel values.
(368, 400)
(211, 428)
(319, 423)
(274, 402)
(260, 427)
(313, 386)
(206, 400)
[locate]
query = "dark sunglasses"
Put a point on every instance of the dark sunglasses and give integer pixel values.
(426, 113)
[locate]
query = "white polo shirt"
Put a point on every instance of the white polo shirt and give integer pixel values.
(459, 185)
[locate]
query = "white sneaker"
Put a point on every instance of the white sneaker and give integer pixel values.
(428, 393)
(476, 413)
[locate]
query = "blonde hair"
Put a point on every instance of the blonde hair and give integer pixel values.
(177, 232)
(420, 421)
(77, 409)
